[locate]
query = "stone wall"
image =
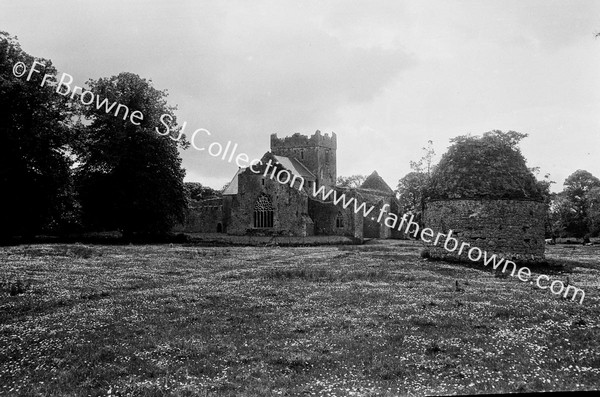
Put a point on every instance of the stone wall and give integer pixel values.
(203, 217)
(371, 227)
(290, 212)
(324, 215)
(511, 228)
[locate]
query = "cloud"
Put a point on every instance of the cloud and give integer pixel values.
(283, 75)
(385, 75)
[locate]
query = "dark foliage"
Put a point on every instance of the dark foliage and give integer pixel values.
(576, 210)
(197, 191)
(131, 177)
(490, 166)
(35, 161)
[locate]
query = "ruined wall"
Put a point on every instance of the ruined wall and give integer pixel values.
(290, 212)
(227, 202)
(394, 232)
(203, 217)
(324, 216)
(355, 225)
(512, 228)
(372, 228)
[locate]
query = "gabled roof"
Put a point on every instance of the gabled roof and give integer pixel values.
(295, 167)
(232, 188)
(375, 182)
(289, 163)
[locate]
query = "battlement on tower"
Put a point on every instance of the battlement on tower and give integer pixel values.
(298, 140)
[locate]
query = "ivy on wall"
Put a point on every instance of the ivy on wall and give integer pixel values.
(490, 166)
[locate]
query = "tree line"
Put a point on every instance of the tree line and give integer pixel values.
(66, 167)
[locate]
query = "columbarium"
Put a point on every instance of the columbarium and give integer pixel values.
(484, 193)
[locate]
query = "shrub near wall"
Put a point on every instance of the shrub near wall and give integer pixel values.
(511, 228)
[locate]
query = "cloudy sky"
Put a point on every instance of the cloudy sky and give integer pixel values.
(385, 76)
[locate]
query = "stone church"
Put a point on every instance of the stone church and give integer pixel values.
(255, 203)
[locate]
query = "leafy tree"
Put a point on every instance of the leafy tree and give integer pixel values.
(35, 161)
(593, 211)
(352, 181)
(572, 206)
(561, 215)
(410, 191)
(412, 187)
(490, 166)
(579, 183)
(196, 191)
(130, 176)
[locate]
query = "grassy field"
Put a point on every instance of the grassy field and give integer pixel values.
(364, 320)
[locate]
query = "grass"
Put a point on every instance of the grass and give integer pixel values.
(160, 320)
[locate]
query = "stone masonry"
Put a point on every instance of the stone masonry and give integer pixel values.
(513, 229)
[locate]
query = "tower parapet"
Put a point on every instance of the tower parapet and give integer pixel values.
(298, 140)
(316, 152)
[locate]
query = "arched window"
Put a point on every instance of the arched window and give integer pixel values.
(263, 212)
(339, 220)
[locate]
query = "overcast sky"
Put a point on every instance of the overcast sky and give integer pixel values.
(385, 76)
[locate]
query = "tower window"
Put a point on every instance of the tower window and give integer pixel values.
(263, 212)
(339, 220)
(302, 154)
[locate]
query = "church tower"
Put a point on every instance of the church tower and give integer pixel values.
(317, 153)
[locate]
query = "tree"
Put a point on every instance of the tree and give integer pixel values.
(572, 213)
(425, 163)
(593, 211)
(352, 181)
(196, 191)
(412, 187)
(561, 215)
(35, 161)
(490, 166)
(130, 176)
(410, 191)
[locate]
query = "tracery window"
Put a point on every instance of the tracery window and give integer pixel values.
(263, 212)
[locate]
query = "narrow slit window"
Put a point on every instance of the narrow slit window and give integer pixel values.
(339, 220)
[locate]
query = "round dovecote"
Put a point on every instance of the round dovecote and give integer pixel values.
(484, 193)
